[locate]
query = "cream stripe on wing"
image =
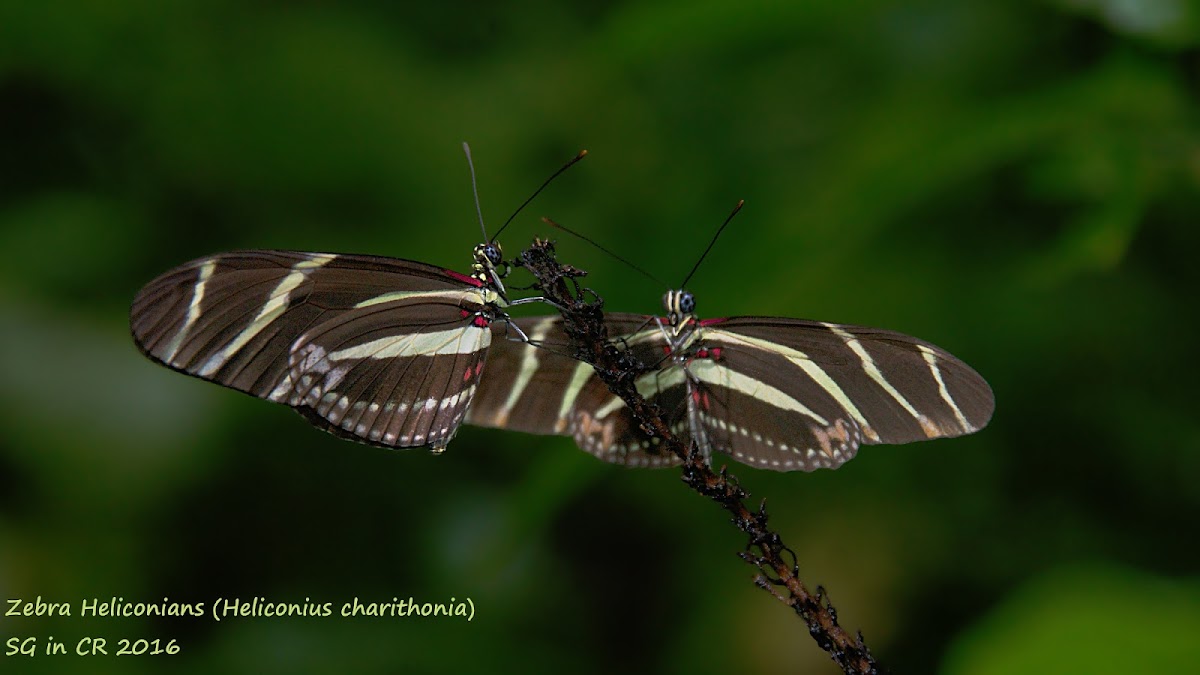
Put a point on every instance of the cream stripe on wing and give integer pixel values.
(193, 312)
(931, 359)
(810, 368)
(652, 335)
(579, 378)
(711, 372)
(452, 295)
(872, 371)
(647, 385)
(529, 365)
(435, 343)
(275, 306)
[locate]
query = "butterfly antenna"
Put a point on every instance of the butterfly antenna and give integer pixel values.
(637, 269)
(576, 158)
(713, 242)
(475, 189)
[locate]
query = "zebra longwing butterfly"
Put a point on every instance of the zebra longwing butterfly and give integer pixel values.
(779, 394)
(379, 350)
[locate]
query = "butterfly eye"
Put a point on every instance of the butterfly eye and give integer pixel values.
(494, 256)
(687, 302)
(489, 252)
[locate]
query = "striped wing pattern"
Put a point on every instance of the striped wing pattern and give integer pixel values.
(549, 392)
(380, 350)
(790, 394)
(778, 394)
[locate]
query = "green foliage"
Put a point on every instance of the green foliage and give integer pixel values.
(1130, 622)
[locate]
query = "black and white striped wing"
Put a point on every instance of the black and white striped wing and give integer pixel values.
(789, 394)
(546, 391)
(380, 350)
(778, 394)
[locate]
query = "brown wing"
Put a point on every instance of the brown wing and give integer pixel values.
(778, 394)
(788, 394)
(361, 345)
(543, 390)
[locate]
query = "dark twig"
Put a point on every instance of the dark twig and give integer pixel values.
(778, 573)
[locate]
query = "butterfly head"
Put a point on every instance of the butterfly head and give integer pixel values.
(489, 255)
(489, 266)
(679, 304)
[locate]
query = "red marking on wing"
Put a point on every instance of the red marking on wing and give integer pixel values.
(481, 321)
(478, 368)
(711, 322)
(666, 350)
(464, 313)
(463, 278)
(716, 353)
(467, 374)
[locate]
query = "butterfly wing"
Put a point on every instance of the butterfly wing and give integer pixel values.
(789, 394)
(780, 394)
(546, 391)
(381, 350)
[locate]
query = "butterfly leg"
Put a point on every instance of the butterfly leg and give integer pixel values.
(696, 425)
(526, 301)
(521, 336)
(666, 336)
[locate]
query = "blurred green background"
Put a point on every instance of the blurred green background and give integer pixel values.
(1017, 182)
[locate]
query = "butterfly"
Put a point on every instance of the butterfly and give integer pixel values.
(774, 393)
(379, 350)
